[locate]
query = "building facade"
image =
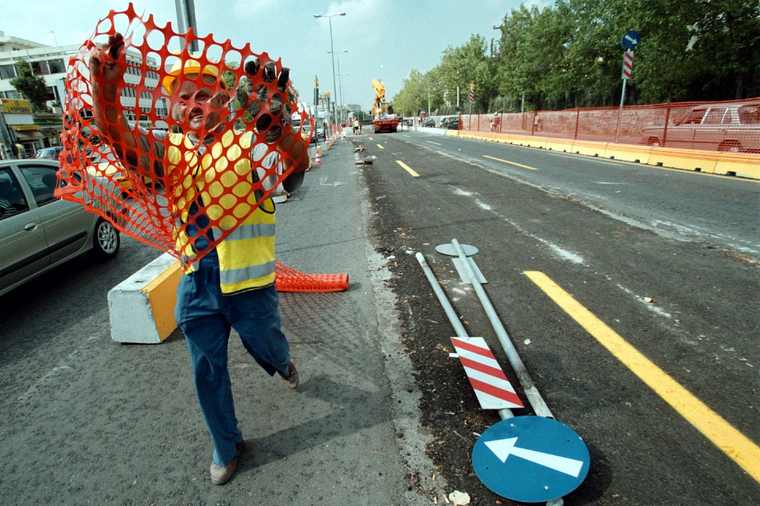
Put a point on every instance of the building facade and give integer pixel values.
(50, 63)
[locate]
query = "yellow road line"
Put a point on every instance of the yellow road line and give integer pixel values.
(407, 168)
(721, 433)
(522, 166)
(380, 146)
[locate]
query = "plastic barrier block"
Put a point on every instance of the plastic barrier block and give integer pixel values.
(739, 164)
(590, 148)
(687, 159)
(141, 308)
(628, 152)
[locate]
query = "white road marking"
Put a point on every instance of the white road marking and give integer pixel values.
(559, 251)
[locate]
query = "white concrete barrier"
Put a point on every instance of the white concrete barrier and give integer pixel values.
(427, 130)
(141, 308)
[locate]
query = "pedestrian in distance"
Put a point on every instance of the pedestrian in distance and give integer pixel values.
(232, 286)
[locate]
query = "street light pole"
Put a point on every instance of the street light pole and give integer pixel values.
(186, 19)
(340, 87)
(332, 54)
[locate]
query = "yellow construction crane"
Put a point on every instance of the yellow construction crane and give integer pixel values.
(383, 118)
(377, 107)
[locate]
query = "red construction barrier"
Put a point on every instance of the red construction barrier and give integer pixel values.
(723, 126)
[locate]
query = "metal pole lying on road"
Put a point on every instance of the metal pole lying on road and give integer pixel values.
(450, 313)
(447, 307)
(531, 392)
(534, 397)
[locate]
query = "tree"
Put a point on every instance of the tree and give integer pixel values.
(31, 86)
(569, 55)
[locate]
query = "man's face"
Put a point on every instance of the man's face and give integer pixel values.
(196, 105)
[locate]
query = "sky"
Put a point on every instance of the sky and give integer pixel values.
(385, 39)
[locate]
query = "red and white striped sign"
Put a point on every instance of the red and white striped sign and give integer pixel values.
(492, 388)
(628, 64)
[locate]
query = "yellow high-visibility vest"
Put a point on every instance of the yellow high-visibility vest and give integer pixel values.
(247, 254)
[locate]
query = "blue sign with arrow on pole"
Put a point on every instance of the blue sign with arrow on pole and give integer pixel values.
(630, 40)
(531, 459)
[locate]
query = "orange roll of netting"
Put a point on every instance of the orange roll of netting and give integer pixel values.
(170, 143)
(289, 279)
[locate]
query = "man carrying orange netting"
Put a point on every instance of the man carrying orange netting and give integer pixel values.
(212, 182)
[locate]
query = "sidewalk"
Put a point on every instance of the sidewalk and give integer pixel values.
(119, 424)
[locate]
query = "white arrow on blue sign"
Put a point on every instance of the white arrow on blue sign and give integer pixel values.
(631, 40)
(550, 461)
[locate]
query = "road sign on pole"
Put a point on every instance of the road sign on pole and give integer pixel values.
(471, 94)
(630, 40)
(531, 459)
(628, 64)
(491, 385)
(627, 74)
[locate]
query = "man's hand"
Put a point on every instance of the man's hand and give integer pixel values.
(296, 148)
(107, 65)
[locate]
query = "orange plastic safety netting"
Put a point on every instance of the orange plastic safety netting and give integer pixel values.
(292, 280)
(176, 145)
(716, 126)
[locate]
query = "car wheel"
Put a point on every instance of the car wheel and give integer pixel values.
(106, 241)
(731, 146)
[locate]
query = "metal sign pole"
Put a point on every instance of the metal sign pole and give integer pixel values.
(531, 392)
(504, 414)
(620, 111)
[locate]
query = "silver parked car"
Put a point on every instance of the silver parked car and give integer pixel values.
(38, 231)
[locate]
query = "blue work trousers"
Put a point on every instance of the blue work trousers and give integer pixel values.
(206, 317)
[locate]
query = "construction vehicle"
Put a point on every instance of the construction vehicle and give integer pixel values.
(383, 118)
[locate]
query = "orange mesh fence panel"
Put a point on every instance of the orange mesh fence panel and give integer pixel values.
(292, 280)
(177, 148)
(724, 126)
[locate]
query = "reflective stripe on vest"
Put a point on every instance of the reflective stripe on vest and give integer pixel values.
(235, 276)
(250, 247)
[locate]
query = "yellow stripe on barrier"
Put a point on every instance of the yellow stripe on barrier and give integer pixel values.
(161, 292)
(746, 165)
(735, 445)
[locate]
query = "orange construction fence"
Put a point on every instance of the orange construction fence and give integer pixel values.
(289, 279)
(723, 126)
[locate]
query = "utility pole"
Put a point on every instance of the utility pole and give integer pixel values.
(186, 19)
(339, 98)
(332, 54)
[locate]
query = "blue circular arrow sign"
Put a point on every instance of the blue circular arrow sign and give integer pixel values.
(631, 40)
(531, 459)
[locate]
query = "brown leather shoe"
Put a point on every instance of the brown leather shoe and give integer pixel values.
(222, 474)
(292, 377)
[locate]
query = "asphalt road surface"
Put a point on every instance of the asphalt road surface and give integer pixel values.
(668, 261)
(631, 293)
(84, 420)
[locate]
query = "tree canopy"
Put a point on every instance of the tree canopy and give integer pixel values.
(31, 86)
(569, 55)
